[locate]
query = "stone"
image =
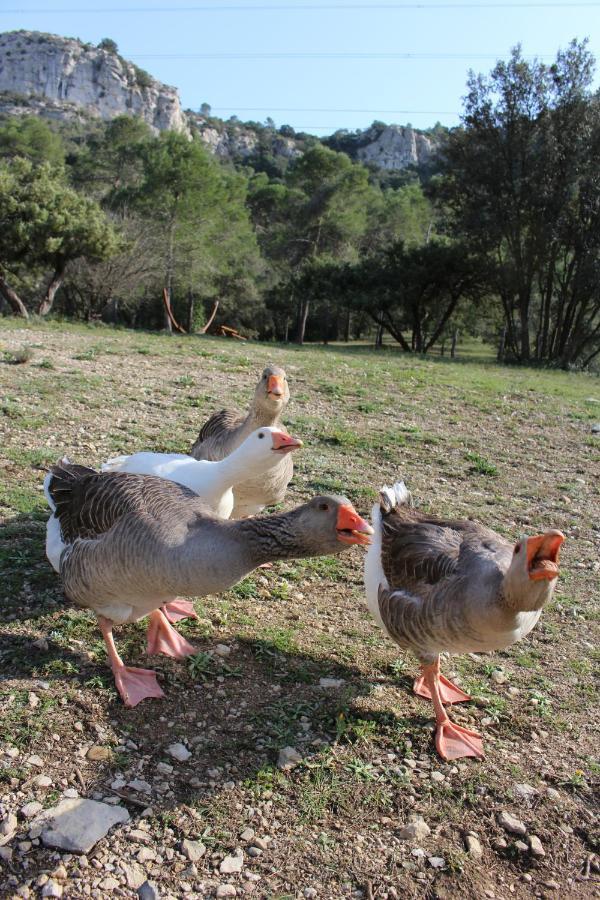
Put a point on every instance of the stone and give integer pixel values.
(42, 781)
(226, 890)
(77, 825)
(310, 893)
(438, 776)
(553, 793)
(52, 889)
(109, 884)
(331, 683)
(535, 846)
(525, 791)
(193, 850)
(254, 851)
(179, 752)
(29, 810)
(262, 843)
(60, 873)
(146, 854)
(6, 854)
(521, 846)
(35, 760)
(437, 862)
(148, 891)
(417, 829)
(164, 768)
(134, 875)
(223, 650)
(499, 677)
(246, 835)
(98, 753)
(394, 147)
(473, 845)
(70, 793)
(288, 758)
(9, 824)
(33, 700)
(231, 865)
(595, 429)
(511, 823)
(142, 787)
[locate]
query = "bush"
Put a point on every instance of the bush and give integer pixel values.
(109, 45)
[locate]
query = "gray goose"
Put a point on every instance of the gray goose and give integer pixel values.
(438, 585)
(226, 430)
(126, 544)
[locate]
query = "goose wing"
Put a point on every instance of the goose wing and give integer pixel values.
(212, 441)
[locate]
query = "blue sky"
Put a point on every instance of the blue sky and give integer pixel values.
(318, 93)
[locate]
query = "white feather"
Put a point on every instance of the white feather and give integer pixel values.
(47, 495)
(374, 576)
(398, 495)
(54, 542)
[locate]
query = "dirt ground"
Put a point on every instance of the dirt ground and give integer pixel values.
(511, 447)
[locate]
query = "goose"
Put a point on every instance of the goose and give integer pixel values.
(438, 585)
(226, 430)
(125, 544)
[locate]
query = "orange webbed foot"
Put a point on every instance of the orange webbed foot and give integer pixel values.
(454, 742)
(135, 685)
(449, 692)
(179, 609)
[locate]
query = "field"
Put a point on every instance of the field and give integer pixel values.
(510, 447)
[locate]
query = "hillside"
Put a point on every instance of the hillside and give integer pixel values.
(67, 80)
(291, 656)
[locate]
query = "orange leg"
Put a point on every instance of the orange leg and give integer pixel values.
(132, 684)
(449, 693)
(162, 638)
(451, 740)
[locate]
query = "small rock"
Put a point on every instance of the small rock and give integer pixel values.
(36, 761)
(437, 862)
(134, 875)
(148, 891)
(145, 854)
(232, 864)
(8, 824)
(553, 793)
(438, 776)
(511, 823)
(535, 846)
(261, 843)
(498, 676)
(595, 429)
(42, 781)
(246, 835)
(417, 829)
(76, 825)
(222, 650)
(109, 884)
(33, 700)
(526, 791)
(52, 889)
(499, 844)
(310, 893)
(288, 758)
(40, 644)
(551, 885)
(226, 890)
(97, 752)
(70, 793)
(6, 854)
(213, 773)
(331, 683)
(473, 845)
(193, 850)
(164, 768)
(521, 846)
(254, 851)
(31, 809)
(179, 752)
(142, 787)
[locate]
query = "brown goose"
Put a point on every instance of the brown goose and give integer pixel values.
(127, 544)
(438, 585)
(226, 430)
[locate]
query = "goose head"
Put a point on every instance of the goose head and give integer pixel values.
(329, 523)
(264, 448)
(531, 577)
(272, 391)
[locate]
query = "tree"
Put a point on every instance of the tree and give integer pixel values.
(521, 182)
(31, 138)
(109, 45)
(46, 224)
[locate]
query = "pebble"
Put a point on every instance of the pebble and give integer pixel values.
(262, 843)
(42, 781)
(137, 784)
(109, 884)
(36, 761)
(52, 889)
(33, 700)
(331, 683)
(31, 809)
(60, 873)
(179, 752)
(438, 776)
(226, 890)
(310, 893)
(288, 758)
(134, 875)
(551, 885)
(70, 793)
(164, 768)
(97, 752)
(222, 650)
(254, 851)
(9, 824)
(521, 846)
(526, 791)
(148, 891)
(499, 677)
(6, 854)
(193, 850)
(553, 793)
(247, 834)
(232, 864)
(473, 845)
(145, 854)
(511, 823)
(417, 829)
(535, 845)
(437, 862)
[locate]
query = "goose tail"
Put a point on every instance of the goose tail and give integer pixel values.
(391, 497)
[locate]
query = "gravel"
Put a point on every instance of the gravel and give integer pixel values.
(511, 824)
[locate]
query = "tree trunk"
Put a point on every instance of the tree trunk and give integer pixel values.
(302, 321)
(501, 345)
(347, 326)
(13, 299)
(286, 329)
(190, 311)
(524, 329)
(53, 285)
(453, 345)
(168, 325)
(379, 337)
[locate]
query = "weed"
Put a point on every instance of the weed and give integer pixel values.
(480, 465)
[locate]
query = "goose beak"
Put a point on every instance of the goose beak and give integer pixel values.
(284, 443)
(275, 387)
(542, 555)
(351, 529)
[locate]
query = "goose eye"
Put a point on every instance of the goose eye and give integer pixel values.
(518, 549)
(261, 434)
(324, 506)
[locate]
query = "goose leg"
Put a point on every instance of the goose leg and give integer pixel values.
(164, 639)
(179, 609)
(449, 693)
(132, 684)
(452, 741)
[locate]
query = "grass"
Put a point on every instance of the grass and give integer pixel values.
(471, 439)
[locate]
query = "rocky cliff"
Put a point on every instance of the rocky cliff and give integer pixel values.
(69, 74)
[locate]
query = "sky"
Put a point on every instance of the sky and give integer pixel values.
(316, 65)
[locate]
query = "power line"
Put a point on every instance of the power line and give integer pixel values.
(280, 54)
(395, 112)
(309, 7)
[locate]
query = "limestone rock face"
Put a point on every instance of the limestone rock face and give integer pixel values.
(66, 71)
(230, 141)
(396, 147)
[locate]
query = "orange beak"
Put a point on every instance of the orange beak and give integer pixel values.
(275, 386)
(542, 555)
(284, 443)
(351, 529)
